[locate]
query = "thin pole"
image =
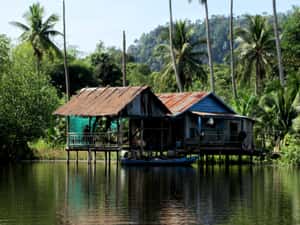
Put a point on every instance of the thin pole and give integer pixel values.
(142, 137)
(66, 69)
(232, 65)
(124, 59)
(65, 53)
(278, 46)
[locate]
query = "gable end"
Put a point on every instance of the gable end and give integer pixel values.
(211, 104)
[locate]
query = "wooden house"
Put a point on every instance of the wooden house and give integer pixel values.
(96, 114)
(201, 121)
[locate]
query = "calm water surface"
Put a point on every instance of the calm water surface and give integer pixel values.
(53, 193)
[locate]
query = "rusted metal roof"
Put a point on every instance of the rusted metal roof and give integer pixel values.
(180, 102)
(107, 101)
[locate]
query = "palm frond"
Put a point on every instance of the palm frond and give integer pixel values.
(20, 25)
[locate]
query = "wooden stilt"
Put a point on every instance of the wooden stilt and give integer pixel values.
(227, 159)
(89, 156)
(77, 157)
(240, 159)
(142, 135)
(95, 156)
(105, 157)
(109, 157)
(68, 156)
(161, 136)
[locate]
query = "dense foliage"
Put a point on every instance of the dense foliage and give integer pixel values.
(27, 101)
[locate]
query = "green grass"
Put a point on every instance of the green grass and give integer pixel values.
(46, 151)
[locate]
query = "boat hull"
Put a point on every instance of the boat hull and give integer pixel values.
(160, 162)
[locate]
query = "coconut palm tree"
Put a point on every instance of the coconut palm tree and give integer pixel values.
(178, 81)
(256, 45)
(232, 66)
(208, 40)
(278, 47)
(187, 55)
(279, 109)
(39, 32)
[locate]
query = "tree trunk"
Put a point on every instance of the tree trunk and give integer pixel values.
(38, 65)
(178, 80)
(278, 47)
(210, 62)
(257, 77)
(124, 59)
(232, 65)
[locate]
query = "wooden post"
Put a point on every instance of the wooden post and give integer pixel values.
(89, 156)
(77, 156)
(251, 159)
(68, 156)
(130, 135)
(227, 159)
(105, 157)
(240, 159)
(161, 136)
(142, 137)
(124, 59)
(95, 156)
(169, 133)
(118, 158)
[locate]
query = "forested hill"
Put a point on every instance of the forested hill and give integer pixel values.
(143, 50)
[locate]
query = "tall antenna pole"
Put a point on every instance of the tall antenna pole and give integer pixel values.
(232, 64)
(65, 53)
(124, 59)
(66, 75)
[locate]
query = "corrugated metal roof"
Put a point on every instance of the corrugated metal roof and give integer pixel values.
(180, 102)
(107, 101)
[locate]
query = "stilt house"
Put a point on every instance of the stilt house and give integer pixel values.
(134, 118)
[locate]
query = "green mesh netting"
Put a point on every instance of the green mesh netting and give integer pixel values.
(77, 124)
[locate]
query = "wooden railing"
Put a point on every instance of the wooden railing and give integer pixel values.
(107, 139)
(216, 137)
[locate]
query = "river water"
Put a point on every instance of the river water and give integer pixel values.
(54, 193)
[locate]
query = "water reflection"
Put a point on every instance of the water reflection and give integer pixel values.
(54, 193)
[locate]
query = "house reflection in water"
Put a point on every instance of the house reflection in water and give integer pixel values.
(157, 195)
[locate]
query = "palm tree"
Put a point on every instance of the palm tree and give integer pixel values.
(256, 44)
(38, 32)
(187, 55)
(278, 47)
(279, 110)
(232, 52)
(208, 40)
(178, 81)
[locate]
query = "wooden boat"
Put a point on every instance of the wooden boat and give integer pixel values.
(159, 162)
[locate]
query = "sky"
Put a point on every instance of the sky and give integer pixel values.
(89, 21)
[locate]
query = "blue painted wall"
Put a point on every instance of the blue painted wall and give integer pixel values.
(210, 104)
